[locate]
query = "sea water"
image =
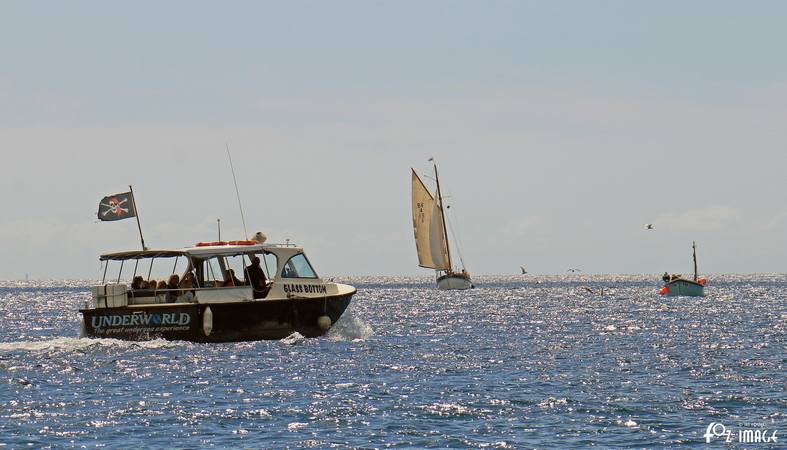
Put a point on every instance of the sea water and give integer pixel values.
(518, 362)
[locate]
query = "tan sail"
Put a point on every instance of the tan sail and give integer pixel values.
(437, 241)
(423, 213)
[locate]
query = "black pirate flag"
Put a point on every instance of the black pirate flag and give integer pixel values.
(117, 207)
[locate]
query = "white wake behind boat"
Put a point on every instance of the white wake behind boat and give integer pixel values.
(431, 236)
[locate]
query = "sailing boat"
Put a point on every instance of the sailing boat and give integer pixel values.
(431, 237)
(675, 285)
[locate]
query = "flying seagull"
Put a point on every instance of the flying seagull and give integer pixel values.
(649, 226)
(573, 270)
(524, 269)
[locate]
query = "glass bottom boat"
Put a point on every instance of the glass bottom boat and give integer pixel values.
(215, 292)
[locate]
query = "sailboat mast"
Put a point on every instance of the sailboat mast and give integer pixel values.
(694, 252)
(442, 215)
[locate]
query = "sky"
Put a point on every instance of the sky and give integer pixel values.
(560, 128)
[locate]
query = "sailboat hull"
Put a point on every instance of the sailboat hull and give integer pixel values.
(454, 281)
(686, 288)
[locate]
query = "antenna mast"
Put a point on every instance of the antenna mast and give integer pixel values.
(237, 193)
(694, 253)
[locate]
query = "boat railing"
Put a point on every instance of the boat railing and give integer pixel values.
(119, 295)
(281, 245)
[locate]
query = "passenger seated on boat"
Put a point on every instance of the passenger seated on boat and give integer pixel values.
(161, 285)
(145, 285)
(189, 280)
(256, 278)
(187, 287)
(173, 291)
(230, 280)
(136, 283)
(152, 284)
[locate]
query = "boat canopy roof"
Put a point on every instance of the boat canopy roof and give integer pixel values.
(203, 251)
(140, 254)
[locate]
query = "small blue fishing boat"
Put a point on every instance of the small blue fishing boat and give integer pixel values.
(676, 285)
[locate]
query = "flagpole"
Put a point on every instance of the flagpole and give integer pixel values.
(136, 214)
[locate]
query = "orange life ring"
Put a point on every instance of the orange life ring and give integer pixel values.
(210, 244)
(242, 242)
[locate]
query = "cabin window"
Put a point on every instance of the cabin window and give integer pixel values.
(238, 265)
(269, 262)
(298, 267)
(212, 271)
(213, 274)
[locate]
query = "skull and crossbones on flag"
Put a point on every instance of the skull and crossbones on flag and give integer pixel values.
(116, 207)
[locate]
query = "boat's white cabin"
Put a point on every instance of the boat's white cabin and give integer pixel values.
(215, 272)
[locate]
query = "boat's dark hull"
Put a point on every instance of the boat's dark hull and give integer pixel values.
(231, 322)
